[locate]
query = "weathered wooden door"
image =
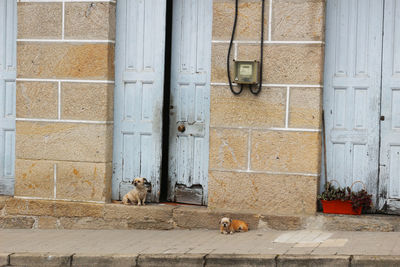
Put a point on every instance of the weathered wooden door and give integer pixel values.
(352, 89)
(8, 29)
(138, 99)
(389, 178)
(189, 105)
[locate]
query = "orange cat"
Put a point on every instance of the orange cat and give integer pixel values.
(229, 226)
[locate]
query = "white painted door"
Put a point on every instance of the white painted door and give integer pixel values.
(138, 99)
(352, 89)
(8, 29)
(389, 179)
(190, 101)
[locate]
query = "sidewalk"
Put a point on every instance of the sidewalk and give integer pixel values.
(197, 248)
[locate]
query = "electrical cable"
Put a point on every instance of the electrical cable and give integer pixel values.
(229, 52)
(256, 92)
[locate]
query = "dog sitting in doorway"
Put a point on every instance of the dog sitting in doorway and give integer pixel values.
(138, 194)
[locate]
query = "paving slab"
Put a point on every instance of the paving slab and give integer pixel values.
(375, 261)
(120, 247)
(100, 260)
(312, 260)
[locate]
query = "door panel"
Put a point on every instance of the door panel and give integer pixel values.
(352, 90)
(389, 180)
(138, 99)
(8, 29)
(190, 97)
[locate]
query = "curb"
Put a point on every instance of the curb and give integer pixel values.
(213, 260)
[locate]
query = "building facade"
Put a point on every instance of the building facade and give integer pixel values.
(110, 90)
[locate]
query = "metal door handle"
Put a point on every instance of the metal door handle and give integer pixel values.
(181, 128)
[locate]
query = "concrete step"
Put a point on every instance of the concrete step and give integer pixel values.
(186, 260)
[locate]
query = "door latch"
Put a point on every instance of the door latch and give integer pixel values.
(181, 128)
(382, 118)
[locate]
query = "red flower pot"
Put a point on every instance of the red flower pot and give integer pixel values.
(339, 207)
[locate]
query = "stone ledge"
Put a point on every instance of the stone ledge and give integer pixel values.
(55, 214)
(4, 259)
(40, 259)
(313, 260)
(182, 259)
(104, 260)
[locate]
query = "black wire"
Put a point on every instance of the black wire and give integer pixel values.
(261, 52)
(229, 53)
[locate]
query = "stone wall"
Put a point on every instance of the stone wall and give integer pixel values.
(265, 149)
(65, 87)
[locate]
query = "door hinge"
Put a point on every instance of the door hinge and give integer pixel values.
(382, 118)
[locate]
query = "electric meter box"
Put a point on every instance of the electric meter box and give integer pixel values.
(246, 72)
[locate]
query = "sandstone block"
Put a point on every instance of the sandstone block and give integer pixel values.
(87, 101)
(37, 100)
(46, 222)
(79, 223)
(294, 20)
(141, 217)
(95, 260)
(218, 260)
(282, 223)
(313, 260)
(16, 222)
(375, 261)
(77, 209)
(248, 23)
(90, 21)
(278, 151)
(265, 110)
(228, 148)
(39, 20)
(40, 259)
(287, 64)
(64, 141)
(3, 200)
(17, 206)
(84, 181)
(34, 178)
(263, 193)
(62, 60)
(189, 217)
(4, 259)
(173, 260)
(305, 110)
(219, 53)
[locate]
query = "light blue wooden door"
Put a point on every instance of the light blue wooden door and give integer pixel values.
(389, 190)
(190, 101)
(352, 89)
(138, 99)
(8, 30)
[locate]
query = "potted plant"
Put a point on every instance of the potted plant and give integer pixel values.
(344, 200)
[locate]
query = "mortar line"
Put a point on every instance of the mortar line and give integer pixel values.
(249, 150)
(55, 180)
(61, 199)
(63, 20)
(265, 42)
(274, 85)
(287, 107)
(266, 172)
(59, 1)
(59, 101)
(267, 129)
(94, 41)
(236, 51)
(62, 80)
(270, 21)
(64, 121)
